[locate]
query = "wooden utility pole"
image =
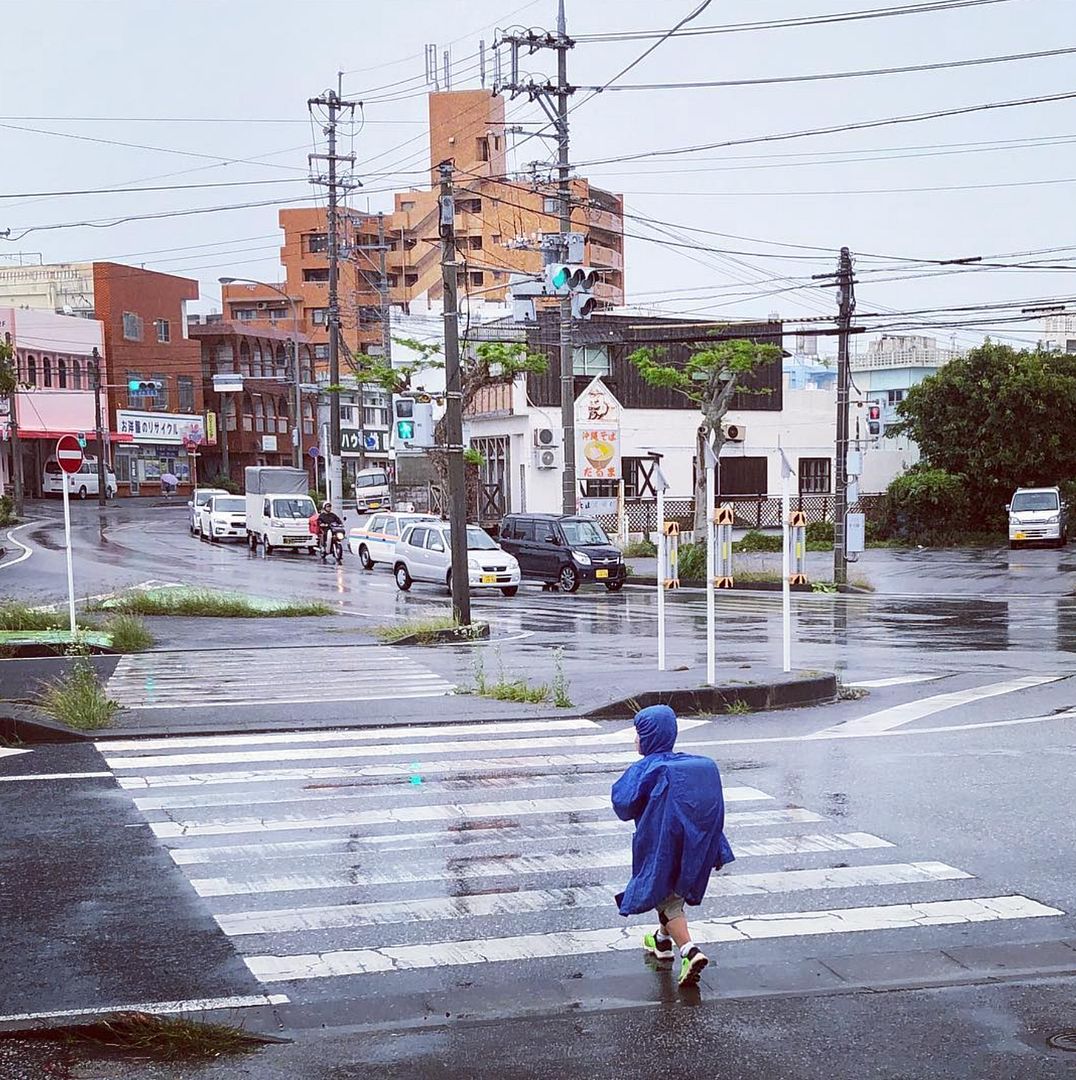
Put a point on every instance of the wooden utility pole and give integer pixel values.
(846, 298)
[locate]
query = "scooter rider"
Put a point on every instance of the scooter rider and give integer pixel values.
(326, 520)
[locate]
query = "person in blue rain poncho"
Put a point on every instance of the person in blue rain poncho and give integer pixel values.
(678, 807)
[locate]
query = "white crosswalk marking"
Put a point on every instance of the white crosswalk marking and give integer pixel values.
(353, 855)
(181, 680)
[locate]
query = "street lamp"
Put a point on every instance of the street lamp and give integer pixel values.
(297, 441)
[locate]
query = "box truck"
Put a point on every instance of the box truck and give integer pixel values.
(279, 508)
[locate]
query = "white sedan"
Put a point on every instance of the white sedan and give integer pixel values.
(424, 553)
(223, 517)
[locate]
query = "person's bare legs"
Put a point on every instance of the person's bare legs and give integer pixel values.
(677, 930)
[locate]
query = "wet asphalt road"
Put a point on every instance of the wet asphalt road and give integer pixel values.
(443, 897)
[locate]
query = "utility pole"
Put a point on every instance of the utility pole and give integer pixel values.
(331, 101)
(95, 363)
(554, 102)
(13, 425)
(457, 518)
(846, 299)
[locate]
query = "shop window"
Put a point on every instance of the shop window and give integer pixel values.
(132, 326)
(164, 331)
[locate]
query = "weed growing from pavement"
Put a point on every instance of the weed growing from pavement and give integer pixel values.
(518, 690)
(739, 707)
(560, 683)
(78, 699)
(479, 673)
(128, 634)
(16, 616)
(162, 1038)
(204, 603)
(426, 630)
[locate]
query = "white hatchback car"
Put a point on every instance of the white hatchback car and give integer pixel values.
(374, 541)
(199, 497)
(424, 554)
(223, 517)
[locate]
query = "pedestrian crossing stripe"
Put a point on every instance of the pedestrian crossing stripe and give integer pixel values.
(529, 902)
(182, 679)
(517, 866)
(727, 929)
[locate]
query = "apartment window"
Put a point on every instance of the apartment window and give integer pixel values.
(893, 396)
(164, 331)
(315, 243)
(185, 390)
(162, 402)
(277, 314)
(244, 314)
(407, 205)
(392, 280)
(474, 243)
(61, 373)
(316, 274)
(476, 277)
(76, 374)
(590, 360)
(319, 316)
(481, 147)
(31, 371)
(410, 279)
(132, 326)
(375, 416)
(46, 371)
(495, 238)
(815, 476)
(496, 142)
(321, 352)
(368, 314)
(551, 204)
(469, 206)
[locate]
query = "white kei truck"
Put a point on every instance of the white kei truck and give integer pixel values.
(279, 509)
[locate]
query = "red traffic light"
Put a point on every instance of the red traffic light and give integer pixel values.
(874, 412)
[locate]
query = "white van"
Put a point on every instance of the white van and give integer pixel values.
(372, 491)
(82, 483)
(1038, 514)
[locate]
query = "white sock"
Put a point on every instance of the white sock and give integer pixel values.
(686, 947)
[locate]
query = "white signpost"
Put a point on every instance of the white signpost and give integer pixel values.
(69, 458)
(786, 569)
(661, 484)
(711, 572)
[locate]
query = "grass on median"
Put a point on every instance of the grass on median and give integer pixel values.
(78, 699)
(424, 630)
(204, 603)
(16, 616)
(128, 633)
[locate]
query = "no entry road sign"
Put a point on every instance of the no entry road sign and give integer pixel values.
(68, 454)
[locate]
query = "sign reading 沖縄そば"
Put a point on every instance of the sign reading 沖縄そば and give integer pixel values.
(597, 433)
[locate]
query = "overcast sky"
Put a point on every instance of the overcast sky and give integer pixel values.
(143, 64)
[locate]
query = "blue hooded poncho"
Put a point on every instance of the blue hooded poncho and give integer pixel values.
(678, 808)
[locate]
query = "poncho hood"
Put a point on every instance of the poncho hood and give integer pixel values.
(656, 726)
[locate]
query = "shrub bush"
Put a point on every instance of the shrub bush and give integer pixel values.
(7, 510)
(928, 506)
(225, 483)
(753, 541)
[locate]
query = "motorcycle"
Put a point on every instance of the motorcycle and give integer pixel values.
(334, 544)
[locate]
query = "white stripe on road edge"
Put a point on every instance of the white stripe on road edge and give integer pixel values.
(495, 866)
(898, 715)
(294, 849)
(895, 680)
(434, 812)
(409, 751)
(338, 916)
(55, 776)
(372, 734)
(6, 751)
(146, 705)
(574, 942)
(26, 550)
(159, 1008)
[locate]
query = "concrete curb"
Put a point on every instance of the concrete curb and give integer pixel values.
(750, 586)
(806, 690)
(30, 725)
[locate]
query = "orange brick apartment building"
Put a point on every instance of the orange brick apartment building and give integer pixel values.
(467, 127)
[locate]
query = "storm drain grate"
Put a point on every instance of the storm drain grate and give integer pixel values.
(1064, 1040)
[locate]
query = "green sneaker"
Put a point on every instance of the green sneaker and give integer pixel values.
(658, 948)
(691, 968)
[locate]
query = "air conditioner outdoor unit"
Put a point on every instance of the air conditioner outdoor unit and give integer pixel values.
(735, 432)
(546, 459)
(262, 305)
(545, 437)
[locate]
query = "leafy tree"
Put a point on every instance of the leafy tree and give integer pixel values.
(710, 378)
(998, 418)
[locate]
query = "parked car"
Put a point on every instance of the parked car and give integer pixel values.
(375, 540)
(82, 483)
(223, 517)
(372, 491)
(1038, 514)
(563, 550)
(199, 497)
(279, 508)
(424, 554)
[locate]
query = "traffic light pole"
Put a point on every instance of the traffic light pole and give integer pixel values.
(461, 594)
(847, 304)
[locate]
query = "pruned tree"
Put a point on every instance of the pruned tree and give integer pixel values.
(710, 378)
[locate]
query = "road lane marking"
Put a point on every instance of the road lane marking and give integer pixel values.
(425, 841)
(496, 866)
(529, 902)
(455, 812)
(7, 751)
(894, 680)
(159, 1008)
(888, 719)
(730, 928)
(372, 734)
(56, 776)
(27, 551)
